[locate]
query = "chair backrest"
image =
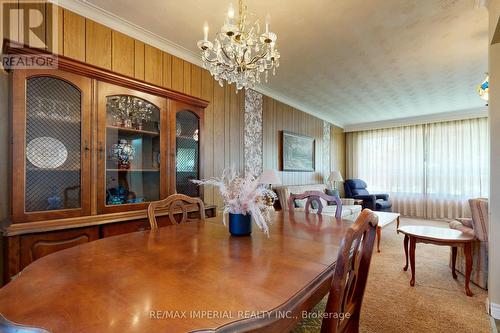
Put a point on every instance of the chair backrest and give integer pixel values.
(283, 192)
(355, 187)
(176, 204)
(316, 196)
(351, 273)
(480, 220)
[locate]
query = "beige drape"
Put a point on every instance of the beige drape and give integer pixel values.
(429, 170)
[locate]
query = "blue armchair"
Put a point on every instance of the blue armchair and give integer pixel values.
(356, 188)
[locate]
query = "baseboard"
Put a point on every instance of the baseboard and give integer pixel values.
(493, 325)
(495, 310)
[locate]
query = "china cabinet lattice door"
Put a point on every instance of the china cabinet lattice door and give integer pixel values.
(186, 137)
(131, 149)
(51, 145)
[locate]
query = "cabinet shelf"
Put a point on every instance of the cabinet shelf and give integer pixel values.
(133, 131)
(30, 169)
(133, 170)
(56, 120)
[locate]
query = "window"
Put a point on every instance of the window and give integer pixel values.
(429, 170)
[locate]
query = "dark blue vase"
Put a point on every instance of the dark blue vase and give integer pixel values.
(240, 224)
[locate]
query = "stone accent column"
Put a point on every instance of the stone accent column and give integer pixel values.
(326, 151)
(253, 139)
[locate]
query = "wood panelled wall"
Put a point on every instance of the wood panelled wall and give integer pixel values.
(277, 117)
(87, 41)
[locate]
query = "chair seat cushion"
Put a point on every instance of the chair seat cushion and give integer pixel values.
(347, 210)
(383, 204)
(460, 227)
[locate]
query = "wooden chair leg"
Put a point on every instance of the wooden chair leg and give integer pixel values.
(468, 267)
(453, 261)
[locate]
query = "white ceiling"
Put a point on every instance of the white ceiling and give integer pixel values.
(347, 61)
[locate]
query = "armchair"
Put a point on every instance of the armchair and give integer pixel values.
(476, 226)
(356, 189)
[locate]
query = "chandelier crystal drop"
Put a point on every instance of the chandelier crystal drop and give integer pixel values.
(240, 53)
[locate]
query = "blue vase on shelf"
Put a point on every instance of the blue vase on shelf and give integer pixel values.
(240, 224)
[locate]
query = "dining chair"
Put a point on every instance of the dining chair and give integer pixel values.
(313, 199)
(176, 204)
(343, 307)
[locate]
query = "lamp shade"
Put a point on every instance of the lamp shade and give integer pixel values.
(335, 176)
(269, 177)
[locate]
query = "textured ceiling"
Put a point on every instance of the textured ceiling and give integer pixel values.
(350, 61)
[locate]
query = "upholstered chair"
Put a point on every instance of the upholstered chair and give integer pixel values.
(476, 226)
(356, 188)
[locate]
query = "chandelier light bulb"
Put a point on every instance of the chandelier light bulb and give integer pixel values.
(230, 13)
(205, 31)
(268, 23)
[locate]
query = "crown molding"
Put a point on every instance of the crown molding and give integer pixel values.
(290, 102)
(419, 120)
(99, 15)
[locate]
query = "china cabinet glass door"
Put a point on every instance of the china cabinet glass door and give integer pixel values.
(132, 149)
(55, 149)
(187, 152)
(186, 123)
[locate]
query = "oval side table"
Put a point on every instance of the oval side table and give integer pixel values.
(438, 236)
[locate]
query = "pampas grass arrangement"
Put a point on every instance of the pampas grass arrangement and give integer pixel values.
(242, 195)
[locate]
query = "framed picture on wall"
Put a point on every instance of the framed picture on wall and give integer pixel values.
(297, 152)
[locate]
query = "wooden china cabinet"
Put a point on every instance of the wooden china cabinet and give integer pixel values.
(89, 150)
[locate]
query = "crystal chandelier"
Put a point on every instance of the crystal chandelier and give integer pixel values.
(240, 53)
(483, 89)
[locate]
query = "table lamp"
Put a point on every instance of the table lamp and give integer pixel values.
(269, 177)
(335, 177)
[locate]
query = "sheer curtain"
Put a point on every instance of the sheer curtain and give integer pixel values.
(429, 170)
(457, 166)
(391, 161)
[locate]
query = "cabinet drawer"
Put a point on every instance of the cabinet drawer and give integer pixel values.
(120, 228)
(35, 246)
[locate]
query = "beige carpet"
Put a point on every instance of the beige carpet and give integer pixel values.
(437, 303)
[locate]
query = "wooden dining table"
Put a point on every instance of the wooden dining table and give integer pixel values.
(191, 277)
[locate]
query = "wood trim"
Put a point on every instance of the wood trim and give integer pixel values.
(11, 257)
(81, 68)
(84, 221)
